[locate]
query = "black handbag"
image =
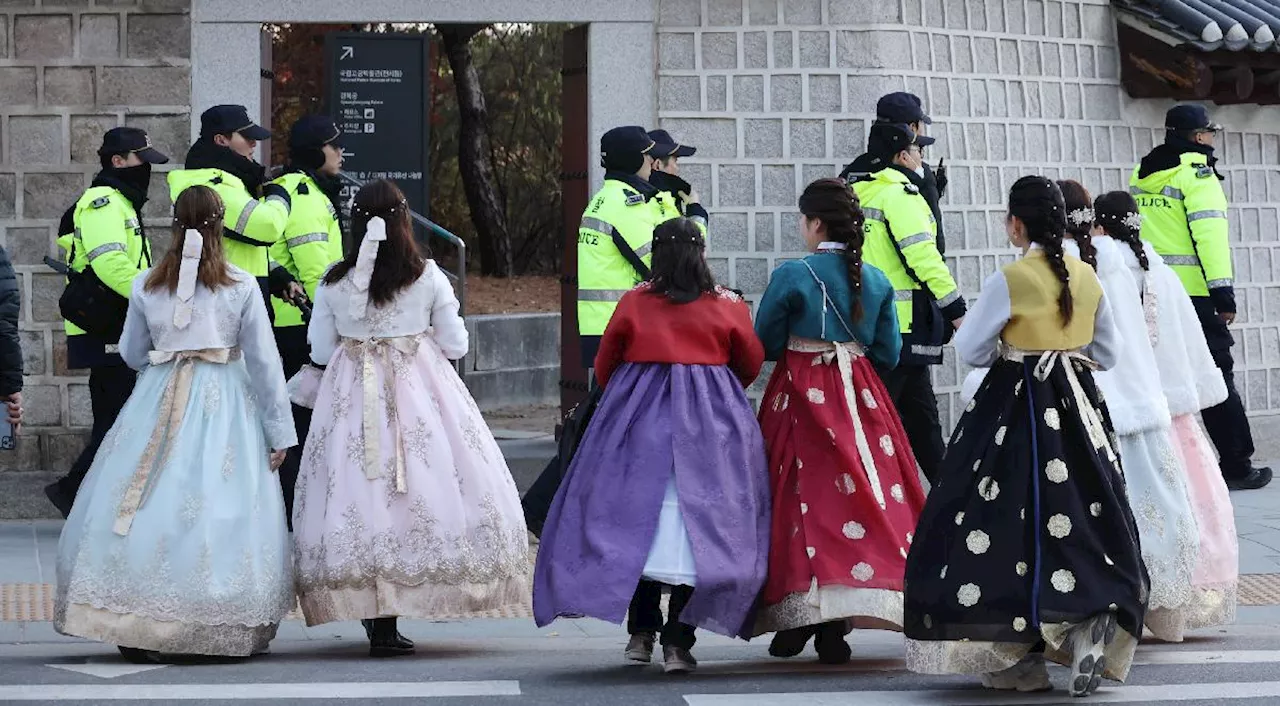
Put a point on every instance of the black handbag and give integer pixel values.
(537, 500)
(89, 303)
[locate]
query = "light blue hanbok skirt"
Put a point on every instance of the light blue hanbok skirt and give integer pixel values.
(178, 543)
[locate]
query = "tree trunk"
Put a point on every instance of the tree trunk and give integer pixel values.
(488, 213)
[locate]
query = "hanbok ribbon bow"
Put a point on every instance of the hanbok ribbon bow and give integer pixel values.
(844, 354)
(368, 351)
(192, 247)
(1092, 420)
(374, 234)
(173, 405)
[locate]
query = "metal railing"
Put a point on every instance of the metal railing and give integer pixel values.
(435, 229)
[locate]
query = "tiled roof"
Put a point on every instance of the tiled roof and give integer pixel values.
(1208, 25)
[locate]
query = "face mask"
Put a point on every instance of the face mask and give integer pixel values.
(138, 176)
(919, 171)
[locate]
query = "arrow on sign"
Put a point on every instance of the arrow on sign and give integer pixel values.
(347, 53)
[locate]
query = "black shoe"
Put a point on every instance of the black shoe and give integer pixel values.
(60, 499)
(137, 656)
(831, 645)
(386, 641)
(1257, 477)
(400, 639)
(789, 643)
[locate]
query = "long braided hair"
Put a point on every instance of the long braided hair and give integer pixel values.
(1080, 218)
(1117, 213)
(834, 203)
(1038, 203)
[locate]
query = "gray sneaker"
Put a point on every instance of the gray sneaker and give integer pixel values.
(1089, 643)
(640, 647)
(1028, 675)
(677, 660)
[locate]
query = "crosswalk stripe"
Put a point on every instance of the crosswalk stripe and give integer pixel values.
(1147, 657)
(257, 692)
(1164, 693)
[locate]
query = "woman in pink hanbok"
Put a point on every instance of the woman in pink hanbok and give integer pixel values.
(405, 506)
(1191, 383)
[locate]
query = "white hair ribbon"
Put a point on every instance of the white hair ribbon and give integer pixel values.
(374, 233)
(192, 247)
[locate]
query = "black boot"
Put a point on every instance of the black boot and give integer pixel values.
(789, 643)
(385, 640)
(830, 643)
(368, 631)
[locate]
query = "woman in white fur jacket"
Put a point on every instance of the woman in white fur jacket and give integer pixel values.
(1191, 383)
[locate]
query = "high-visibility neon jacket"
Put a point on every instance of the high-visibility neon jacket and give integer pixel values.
(622, 214)
(250, 225)
(1184, 217)
(312, 242)
(107, 234)
(900, 238)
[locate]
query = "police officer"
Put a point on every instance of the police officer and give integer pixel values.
(256, 212)
(615, 238)
(312, 242)
(906, 108)
(104, 231)
(901, 240)
(666, 176)
(1184, 217)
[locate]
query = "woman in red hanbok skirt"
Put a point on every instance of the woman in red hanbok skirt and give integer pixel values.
(846, 487)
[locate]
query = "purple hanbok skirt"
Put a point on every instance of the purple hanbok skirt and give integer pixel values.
(656, 420)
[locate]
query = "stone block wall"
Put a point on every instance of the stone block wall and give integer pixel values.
(776, 93)
(70, 70)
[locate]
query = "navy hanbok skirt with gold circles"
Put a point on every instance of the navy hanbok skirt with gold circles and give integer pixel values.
(1028, 530)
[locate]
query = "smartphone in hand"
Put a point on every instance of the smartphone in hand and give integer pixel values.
(8, 439)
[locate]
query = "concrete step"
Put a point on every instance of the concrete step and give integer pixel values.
(22, 493)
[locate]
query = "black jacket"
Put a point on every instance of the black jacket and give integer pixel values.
(930, 187)
(10, 347)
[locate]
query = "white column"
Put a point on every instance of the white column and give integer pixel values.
(621, 81)
(226, 59)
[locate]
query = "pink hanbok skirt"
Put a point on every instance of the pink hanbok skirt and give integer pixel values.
(1218, 568)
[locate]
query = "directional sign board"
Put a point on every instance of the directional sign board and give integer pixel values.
(378, 96)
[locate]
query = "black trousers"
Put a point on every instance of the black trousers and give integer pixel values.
(911, 389)
(1227, 424)
(645, 614)
(295, 352)
(109, 388)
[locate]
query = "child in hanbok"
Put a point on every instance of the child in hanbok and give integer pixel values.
(177, 542)
(404, 504)
(1191, 383)
(1154, 475)
(1027, 543)
(846, 487)
(669, 484)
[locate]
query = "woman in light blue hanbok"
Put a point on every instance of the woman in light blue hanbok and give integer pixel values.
(177, 542)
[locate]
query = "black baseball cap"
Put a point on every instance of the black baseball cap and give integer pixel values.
(1189, 116)
(631, 139)
(226, 119)
(314, 131)
(666, 141)
(903, 108)
(130, 140)
(888, 139)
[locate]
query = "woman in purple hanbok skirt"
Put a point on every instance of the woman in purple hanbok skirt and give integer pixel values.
(669, 484)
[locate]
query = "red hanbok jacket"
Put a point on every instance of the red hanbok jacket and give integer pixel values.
(650, 328)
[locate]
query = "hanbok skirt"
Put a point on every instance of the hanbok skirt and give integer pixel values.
(846, 492)
(404, 504)
(656, 424)
(1028, 531)
(177, 542)
(1157, 489)
(1214, 582)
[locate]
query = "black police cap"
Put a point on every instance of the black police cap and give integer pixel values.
(226, 119)
(902, 107)
(1189, 116)
(888, 139)
(130, 140)
(665, 141)
(314, 131)
(630, 139)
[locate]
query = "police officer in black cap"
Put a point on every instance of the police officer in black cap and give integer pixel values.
(103, 233)
(666, 176)
(907, 109)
